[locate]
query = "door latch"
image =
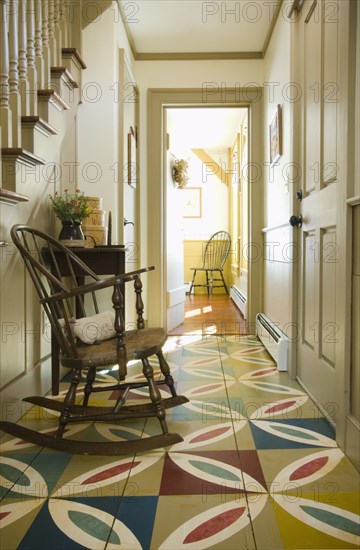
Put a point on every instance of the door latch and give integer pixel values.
(296, 221)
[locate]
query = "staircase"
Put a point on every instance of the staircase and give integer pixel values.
(40, 83)
(40, 92)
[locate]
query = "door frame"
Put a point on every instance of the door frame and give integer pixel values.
(158, 100)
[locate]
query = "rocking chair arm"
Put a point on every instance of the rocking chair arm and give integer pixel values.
(97, 285)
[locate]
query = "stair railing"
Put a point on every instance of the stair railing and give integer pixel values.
(33, 33)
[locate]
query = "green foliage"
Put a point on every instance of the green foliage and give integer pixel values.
(72, 207)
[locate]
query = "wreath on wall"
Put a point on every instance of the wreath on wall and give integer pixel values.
(180, 174)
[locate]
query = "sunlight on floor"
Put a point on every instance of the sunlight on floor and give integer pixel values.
(192, 313)
(184, 339)
(198, 311)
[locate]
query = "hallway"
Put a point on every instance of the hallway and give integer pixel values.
(258, 468)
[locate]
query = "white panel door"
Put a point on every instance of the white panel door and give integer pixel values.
(318, 329)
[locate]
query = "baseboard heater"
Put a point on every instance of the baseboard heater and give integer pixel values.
(275, 341)
(239, 299)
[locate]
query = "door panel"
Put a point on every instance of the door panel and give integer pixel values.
(328, 328)
(312, 111)
(330, 97)
(318, 151)
(309, 286)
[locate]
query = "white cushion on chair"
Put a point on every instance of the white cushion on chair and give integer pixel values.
(93, 329)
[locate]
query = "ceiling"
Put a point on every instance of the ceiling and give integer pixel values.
(213, 129)
(199, 29)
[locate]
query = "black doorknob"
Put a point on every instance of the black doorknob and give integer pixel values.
(296, 221)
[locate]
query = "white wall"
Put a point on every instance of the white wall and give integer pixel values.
(101, 132)
(277, 188)
(97, 120)
(205, 75)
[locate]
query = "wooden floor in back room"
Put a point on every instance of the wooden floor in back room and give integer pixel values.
(215, 314)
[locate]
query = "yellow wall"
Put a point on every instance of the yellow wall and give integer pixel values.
(193, 251)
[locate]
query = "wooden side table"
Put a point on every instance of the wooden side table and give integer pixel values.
(103, 260)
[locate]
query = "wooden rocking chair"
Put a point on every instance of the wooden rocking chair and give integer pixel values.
(73, 329)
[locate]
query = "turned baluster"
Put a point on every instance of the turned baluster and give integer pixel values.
(15, 100)
(45, 42)
(59, 29)
(13, 47)
(32, 75)
(6, 129)
(39, 60)
(74, 24)
(56, 32)
(51, 27)
(67, 19)
(118, 304)
(22, 59)
(139, 303)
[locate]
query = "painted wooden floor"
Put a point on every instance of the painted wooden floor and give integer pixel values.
(258, 467)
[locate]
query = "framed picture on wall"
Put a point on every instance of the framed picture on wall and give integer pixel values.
(192, 202)
(275, 136)
(132, 168)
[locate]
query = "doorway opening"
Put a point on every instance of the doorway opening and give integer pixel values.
(212, 142)
(158, 252)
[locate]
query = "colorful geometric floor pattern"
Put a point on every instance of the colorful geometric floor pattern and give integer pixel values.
(258, 468)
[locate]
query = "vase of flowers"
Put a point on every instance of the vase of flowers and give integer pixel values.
(180, 175)
(71, 209)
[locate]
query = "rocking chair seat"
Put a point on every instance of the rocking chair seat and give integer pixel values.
(139, 344)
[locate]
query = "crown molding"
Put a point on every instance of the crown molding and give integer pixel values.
(196, 56)
(271, 28)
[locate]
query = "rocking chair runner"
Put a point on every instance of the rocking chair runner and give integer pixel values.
(58, 301)
(215, 254)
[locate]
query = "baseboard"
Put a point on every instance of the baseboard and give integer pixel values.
(352, 441)
(35, 382)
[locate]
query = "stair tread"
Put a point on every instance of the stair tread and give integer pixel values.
(67, 52)
(10, 196)
(52, 94)
(22, 154)
(36, 120)
(63, 72)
